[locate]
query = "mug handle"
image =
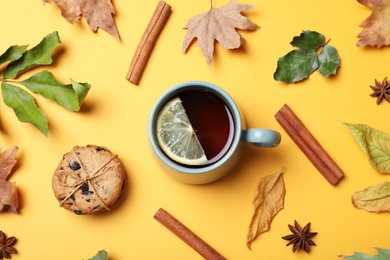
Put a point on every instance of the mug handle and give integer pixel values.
(262, 137)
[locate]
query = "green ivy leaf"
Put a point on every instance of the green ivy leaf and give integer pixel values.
(383, 254)
(295, 66)
(13, 53)
(300, 63)
(68, 96)
(375, 143)
(101, 255)
(39, 55)
(24, 106)
(329, 61)
(308, 41)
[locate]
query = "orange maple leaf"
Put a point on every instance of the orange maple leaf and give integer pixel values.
(218, 24)
(98, 14)
(8, 193)
(376, 29)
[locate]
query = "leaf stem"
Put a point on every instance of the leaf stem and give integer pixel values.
(9, 80)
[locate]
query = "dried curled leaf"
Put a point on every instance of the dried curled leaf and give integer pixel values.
(383, 254)
(98, 14)
(375, 143)
(375, 198)
(267, 202)
(8, 193)
(218, 24)
(376, 27)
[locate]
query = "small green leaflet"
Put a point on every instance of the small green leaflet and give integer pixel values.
(383, 254)
(308, 41)
(13, 53)
(375, 198)
(39, 55)
(101, 255)
(70, 96)
(67, 96)
(329, 61)
(24, 106)
(296, 65)
(312, 53)
(375, 143)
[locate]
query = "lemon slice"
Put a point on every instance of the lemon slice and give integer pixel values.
(176, 136)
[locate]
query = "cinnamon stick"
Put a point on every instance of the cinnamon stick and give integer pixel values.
(148, 40)
(187, 235)
(309, 145)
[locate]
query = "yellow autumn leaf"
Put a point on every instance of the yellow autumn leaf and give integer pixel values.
(267, 202)
(376, 30)
(375, 198)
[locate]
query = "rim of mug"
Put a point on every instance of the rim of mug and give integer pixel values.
(173, 91)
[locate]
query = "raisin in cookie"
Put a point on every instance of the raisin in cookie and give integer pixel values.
(88, 180)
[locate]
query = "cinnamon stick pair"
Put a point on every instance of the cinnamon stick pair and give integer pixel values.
(148, 40)
(309, 145)
(187, 235)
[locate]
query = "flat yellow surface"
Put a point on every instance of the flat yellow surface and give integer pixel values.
(115, 114)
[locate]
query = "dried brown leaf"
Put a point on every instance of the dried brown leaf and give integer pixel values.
(98, 14)
(376, 28)
(267, 202)
(8, 193)
(218, 24)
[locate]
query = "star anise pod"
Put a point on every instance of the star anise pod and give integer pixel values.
(300, 238)
(6, 246)
(381, 91)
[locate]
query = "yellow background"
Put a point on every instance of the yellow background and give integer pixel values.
(115, 114)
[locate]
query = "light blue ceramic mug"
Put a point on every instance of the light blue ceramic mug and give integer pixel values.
(240, 136)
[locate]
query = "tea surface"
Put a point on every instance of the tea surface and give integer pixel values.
(211, 120)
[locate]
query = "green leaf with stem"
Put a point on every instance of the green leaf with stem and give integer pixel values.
(13, 53)
(329, 61)
(68, 96)
(303, 61)
(38, 55)
(295, 66)
(23, 104)
(308, 41)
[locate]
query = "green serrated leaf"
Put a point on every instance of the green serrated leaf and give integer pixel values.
(375, 143)
(329, 61)
(13, 53)
(308, 41)
(24, 106)
(295, 66)
(383, 254)
(101, 255)
(46, 85)
(39, 55)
